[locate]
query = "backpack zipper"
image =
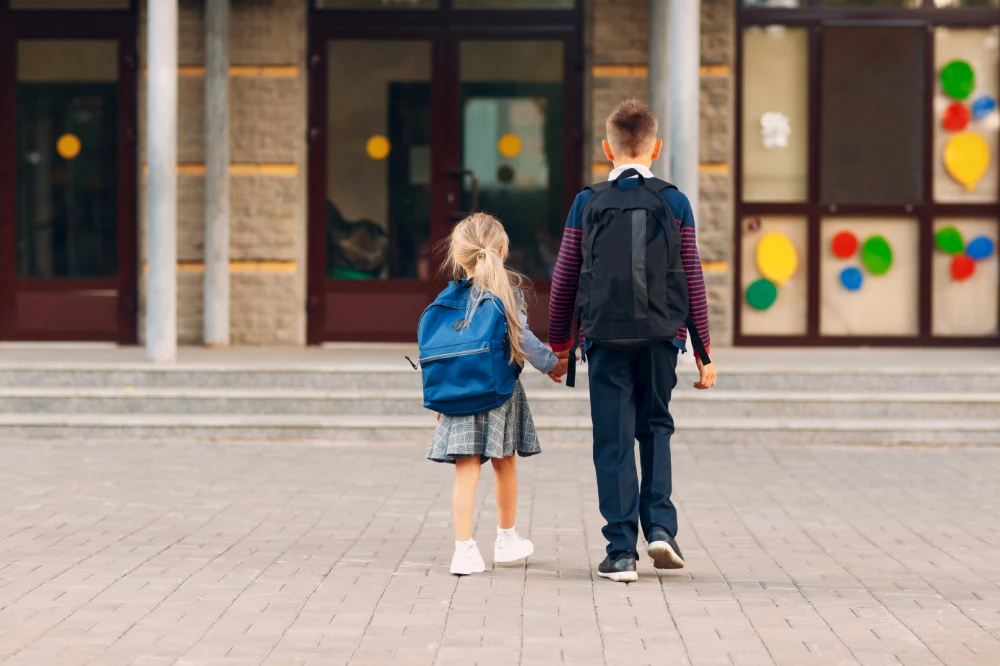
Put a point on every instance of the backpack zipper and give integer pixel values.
(440, 357)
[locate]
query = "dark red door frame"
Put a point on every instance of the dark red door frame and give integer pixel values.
(444, 28)
(814, 17)
(117, 25)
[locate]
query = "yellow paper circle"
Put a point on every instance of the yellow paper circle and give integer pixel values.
(509, 145)
(68, 146)
(967, 156)
(777, 259)
(377, 147)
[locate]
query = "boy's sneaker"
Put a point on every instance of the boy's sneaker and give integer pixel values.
(512, 549)
(467, 560)
(621, 569)
(663, 550)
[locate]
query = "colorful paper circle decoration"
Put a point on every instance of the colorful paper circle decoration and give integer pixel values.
(958, 79)
(876, 255)
(949, 240)
(967, 156)
(509, 145)
(68, 146)
(761, 294)
(844, 245)
(777, 259)
(962, 267)
(956, 117)
(851, 278)
(983, 107)
(981, 247)
(378, 147)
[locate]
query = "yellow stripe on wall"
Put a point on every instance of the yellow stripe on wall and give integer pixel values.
(195, 169)
(715, 266)
(239, 267)
(243, 71)
(604, 168)
(610, 71)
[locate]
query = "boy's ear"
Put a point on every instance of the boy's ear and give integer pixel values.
(656, 149)
(607, 150)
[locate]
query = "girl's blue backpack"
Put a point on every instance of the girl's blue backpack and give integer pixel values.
(465, 357)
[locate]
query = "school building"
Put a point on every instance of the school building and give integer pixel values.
(846, 164)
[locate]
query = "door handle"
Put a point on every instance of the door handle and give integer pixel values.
(461, 174)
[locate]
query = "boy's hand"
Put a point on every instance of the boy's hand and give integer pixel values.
(562, 354)
(557, 373)
(708, 374)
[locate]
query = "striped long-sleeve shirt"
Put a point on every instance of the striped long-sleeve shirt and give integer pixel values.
(562, 300)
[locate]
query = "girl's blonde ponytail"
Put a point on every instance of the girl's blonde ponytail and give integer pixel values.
(478, 244)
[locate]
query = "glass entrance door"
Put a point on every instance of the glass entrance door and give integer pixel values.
(66, 190)
(415, 134)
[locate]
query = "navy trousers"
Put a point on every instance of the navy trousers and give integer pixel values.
(629, 401)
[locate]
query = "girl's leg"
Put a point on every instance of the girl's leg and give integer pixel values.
(463, 495)
(506, 471)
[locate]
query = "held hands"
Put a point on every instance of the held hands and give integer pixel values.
(562, 367)
(708, 374)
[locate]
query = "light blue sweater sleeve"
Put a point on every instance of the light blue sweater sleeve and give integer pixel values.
(539, 356)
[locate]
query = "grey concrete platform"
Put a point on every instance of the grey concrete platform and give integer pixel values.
(137, 554)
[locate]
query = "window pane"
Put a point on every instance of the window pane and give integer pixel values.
(788, 4)
(376, 4)
(966, 3)
(768, 308)
(67, 159)
(378, 160)
(69, 4)
(513, 4)
(869, 270)
(775, 114)
(873, 115)
(873, 3)
(972, 121)
(963, 303)
(512, 138)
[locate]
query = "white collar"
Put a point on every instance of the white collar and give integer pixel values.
(641, 168)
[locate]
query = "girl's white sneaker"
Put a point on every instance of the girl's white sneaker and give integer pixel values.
(467, 560)
(512, 549)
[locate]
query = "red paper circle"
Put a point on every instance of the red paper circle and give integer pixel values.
(844, 245)
(956, 117)
(962, 267)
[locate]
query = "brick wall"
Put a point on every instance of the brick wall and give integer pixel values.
(267, 149)
(617, 55)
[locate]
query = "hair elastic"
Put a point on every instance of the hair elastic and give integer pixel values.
(481, 253)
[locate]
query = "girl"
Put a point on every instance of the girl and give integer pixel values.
(478, 248)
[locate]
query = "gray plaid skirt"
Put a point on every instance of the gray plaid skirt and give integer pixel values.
(498, 433)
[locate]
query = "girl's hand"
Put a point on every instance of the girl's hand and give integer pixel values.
(438, 416)
(557, 373)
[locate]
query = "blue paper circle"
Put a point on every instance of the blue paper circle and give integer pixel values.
(983, 106)
(980, 248)
(851, 278)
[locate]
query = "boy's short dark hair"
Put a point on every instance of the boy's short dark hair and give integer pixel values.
(631, 128)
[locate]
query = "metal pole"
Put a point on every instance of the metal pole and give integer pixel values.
(684, 46)
(161, 127)
(685, 90)
(216, 331)
(659, 79)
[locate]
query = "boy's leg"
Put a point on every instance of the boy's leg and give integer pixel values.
(656, 377)
(612, 408)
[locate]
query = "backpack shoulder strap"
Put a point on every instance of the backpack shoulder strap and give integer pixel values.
(658, 185)
(599, 187)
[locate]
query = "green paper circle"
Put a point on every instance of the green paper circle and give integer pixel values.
(876, 255)
(762, 294)
(958, 79)
(949, 240)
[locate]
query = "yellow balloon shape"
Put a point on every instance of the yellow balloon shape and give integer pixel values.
(68, 146)
(377, 147)
(967, 156)
(509, 145)
(777, 259)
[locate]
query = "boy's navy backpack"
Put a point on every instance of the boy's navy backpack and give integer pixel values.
(465, 357)
(633, 289)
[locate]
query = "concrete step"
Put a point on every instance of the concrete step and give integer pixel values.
(692, 430)
(556, 401)
(378, 377)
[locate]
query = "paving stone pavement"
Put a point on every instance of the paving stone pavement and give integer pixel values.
(149, 555)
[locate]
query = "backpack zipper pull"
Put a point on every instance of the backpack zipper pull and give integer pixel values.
(415, 366)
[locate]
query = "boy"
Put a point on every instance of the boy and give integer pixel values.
(630, 388)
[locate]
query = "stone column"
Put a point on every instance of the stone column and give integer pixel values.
(216, 333)
(684, 52)
(161, 128)
(659, 79)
